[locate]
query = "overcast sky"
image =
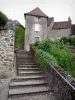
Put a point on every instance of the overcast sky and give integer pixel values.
(59, 9)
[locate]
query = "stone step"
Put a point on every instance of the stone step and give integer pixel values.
(28, 86)
(29, 72)
(26, 59)
(23, 56)
(23, 51)
(23, 61)
(27, 83)
(38, 96)
(28, 66)
(28, 69)
(22, 78)
(26, 63)
(27, 91)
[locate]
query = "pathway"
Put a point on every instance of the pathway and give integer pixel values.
(30, 83)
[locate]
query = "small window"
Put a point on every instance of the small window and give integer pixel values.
(37, 27)
(37, 38)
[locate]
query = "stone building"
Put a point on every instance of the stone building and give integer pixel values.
(38, 25)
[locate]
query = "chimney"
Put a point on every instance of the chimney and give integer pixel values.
(69, 19)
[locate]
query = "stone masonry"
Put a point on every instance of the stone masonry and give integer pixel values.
(6, 53)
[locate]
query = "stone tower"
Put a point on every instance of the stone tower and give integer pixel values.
(35, 26)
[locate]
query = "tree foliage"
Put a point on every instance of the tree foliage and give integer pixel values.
(19, 36)
(3, 19)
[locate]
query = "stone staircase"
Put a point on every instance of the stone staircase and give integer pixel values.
(30, 83)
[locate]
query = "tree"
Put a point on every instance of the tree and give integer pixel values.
(3, 19)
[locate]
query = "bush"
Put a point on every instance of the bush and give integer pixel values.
(72, 68)
(37, 43)
(73, 40)
(19, 36)
(3, 19)
(64, 40)
(61, 53)
(44, 58)
(44, 45)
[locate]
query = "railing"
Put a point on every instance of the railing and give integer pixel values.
(58, 81)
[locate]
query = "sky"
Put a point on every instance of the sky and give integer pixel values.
(59, 9)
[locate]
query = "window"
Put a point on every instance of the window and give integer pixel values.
(37, 27)
(36, 38)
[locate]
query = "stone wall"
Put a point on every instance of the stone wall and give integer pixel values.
(59, 83)
(6, 53)
(60, 33)
(55, 34)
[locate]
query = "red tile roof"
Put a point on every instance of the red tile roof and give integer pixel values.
(36, 12)
(62, 25)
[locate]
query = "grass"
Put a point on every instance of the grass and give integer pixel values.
(19, 35)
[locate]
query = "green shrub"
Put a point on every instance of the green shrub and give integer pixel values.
(73, 40)
(3, 19)
(64, 59)
(44, 45)
(37, 43)
(44, 58)
(64, 40)
(19, 36)
(72, 68)
(61, 53)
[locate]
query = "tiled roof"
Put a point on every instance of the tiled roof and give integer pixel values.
(36, 12)
(62, 25)
(49, 21)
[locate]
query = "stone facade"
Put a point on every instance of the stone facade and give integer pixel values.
(6, 53)
(55, 34)
(30, 32)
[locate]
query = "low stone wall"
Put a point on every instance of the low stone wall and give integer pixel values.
(6, 53)
(60, 82)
